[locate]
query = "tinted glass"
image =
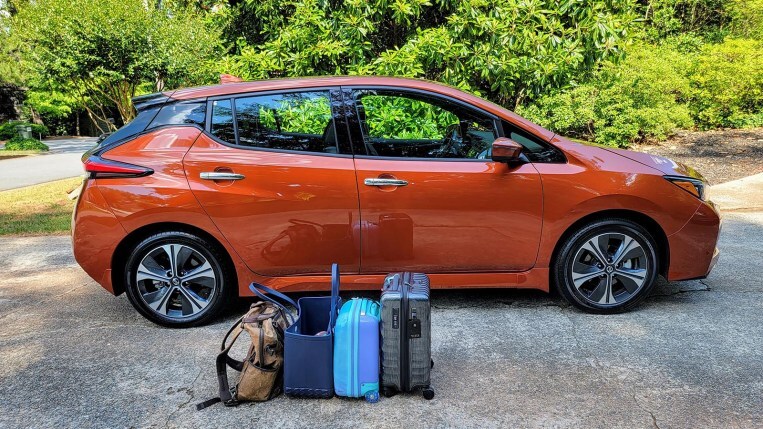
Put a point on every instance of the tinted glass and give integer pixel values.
(534, 149)
(299, 121)
(222, 121)
(136, 126)
(180, 114)
(397, 124)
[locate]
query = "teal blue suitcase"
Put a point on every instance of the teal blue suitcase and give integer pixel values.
(356, 349)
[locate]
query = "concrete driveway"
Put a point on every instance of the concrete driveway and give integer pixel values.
(691, 356)
(61, 162)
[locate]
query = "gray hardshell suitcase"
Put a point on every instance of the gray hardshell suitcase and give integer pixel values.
(406, 334)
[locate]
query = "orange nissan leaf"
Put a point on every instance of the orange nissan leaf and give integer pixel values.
(211, 188)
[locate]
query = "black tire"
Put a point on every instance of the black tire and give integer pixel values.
(588, 295)
(195, 250)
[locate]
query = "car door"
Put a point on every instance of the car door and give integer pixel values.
(278, 180)
(431, 199)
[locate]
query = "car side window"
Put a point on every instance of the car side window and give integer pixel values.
(181, 113)
(222, 121)
(399, 124)
(300, 121)
(534, 149)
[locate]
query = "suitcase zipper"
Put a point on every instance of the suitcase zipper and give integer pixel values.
(353, 347)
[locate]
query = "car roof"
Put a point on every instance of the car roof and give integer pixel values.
(314, 82)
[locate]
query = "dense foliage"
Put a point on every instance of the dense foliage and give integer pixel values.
(507, 50)
(9, 129)
(102, 52)
(20, 143)
(657, 90)
(614, 71)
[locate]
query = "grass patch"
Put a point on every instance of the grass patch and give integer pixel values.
(38, 209)
(8, 154)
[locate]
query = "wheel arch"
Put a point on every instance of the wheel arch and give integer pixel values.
(654, 228)
(122, 251)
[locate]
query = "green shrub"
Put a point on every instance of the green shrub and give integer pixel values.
(642, 98)
(8, 130)
(18, 143)
(727, 83)
(747, 18)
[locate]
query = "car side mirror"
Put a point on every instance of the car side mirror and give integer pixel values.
(506, 150)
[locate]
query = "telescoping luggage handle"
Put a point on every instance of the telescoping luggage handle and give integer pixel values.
(267, 294)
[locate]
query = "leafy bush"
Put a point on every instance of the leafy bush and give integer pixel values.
(8, 130)
(641, 99)
(505, 50)
(673, 17)
(392, 117)
(746, 18)
(19, 143)
(727, 85)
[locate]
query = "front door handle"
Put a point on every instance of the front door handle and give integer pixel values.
(220, 175)
(385, 182)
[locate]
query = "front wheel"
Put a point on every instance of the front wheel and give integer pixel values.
(606, 266)
(177, 279)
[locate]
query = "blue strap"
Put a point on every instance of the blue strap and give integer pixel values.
(334, 295)
(261, 290)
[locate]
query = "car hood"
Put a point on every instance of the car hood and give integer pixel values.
(665, 165)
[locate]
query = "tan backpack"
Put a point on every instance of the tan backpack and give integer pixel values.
(261, 375)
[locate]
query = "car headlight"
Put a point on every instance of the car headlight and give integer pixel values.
(693, 186)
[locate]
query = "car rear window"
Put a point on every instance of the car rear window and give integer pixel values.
(181, 113)
(136, 126)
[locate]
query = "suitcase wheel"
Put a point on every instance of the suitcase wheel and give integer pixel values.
(431, 363)
(388, 393)
(428, 393)
(372, 397)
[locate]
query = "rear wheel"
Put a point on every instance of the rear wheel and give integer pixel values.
(178, 279)
(607, 266)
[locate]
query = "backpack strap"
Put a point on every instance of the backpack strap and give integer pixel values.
(221, 363)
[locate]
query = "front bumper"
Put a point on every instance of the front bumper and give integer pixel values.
(694, 248)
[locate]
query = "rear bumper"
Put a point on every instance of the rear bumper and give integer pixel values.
(694, 248)
(96, 232)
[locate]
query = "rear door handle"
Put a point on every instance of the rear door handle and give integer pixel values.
(385, 182)
(219, 175)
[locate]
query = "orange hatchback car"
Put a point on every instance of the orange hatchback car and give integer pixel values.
(211, 188)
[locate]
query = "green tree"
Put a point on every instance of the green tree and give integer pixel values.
(102, 52)
(508, 50)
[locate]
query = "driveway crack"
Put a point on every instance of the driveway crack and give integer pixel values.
(590, 357)
(638, 404)
(707, 288)
(191, 396)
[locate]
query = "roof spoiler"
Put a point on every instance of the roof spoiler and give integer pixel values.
(143, 102)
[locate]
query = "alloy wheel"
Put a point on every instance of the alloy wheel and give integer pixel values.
(176, 281)
(609, 269)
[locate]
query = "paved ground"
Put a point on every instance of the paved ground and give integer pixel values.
(61, 162)
(690, 356)
(720, 155)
